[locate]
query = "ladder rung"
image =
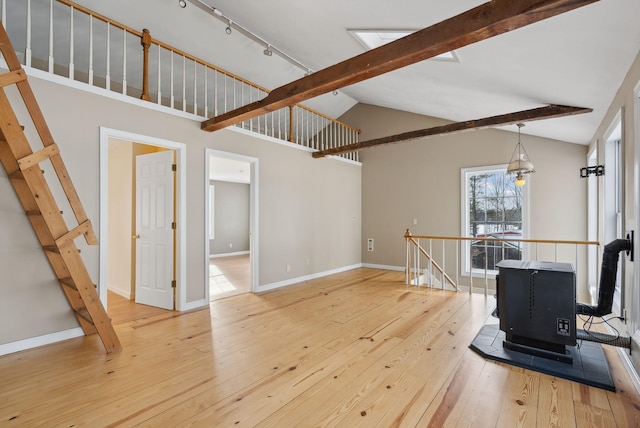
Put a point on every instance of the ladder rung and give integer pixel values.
(12, 77)
(84, 313)
(37, 213)
(81, 229)
(37, 157)
(54, 249)
(69, 283)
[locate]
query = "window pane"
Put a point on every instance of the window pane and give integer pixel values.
(494, 210)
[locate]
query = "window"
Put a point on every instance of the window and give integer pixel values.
(212, 211)
(493, 207)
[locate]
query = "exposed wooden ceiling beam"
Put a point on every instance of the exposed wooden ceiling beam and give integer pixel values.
(480, 23)
(547, 112)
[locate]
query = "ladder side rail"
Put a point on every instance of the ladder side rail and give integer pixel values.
(85, 288)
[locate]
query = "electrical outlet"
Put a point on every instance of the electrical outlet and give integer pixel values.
(370, 244)
(288, 267)
(415, 221)
(230, 244)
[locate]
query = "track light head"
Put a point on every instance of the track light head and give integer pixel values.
(228, 29)
(182, 3)
(268, 51)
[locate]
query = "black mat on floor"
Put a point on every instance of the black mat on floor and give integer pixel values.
(589, 366)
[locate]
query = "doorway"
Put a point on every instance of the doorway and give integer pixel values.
(118, 151)
(231, 217)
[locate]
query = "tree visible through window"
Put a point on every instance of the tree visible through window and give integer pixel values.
(493, 208)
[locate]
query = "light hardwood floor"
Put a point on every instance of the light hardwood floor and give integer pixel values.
(229, 276)
(121, 309)
(353, 349)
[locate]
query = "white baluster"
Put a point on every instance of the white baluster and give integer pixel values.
(215, 93)
(27, 52)
(206, 92)
(224, 107)
(195, 88)
(470, 268)
(124, 62)
(108, 74)
(184, 83)
(71, 65)
(444, 265)
(172, 95)
(280, 123)
(4, 13)
(430, 263)
(457, 263)
(90, 50)
(51, 36)
(234, 92)
(159, 76)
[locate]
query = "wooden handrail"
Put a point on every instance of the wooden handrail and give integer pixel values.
(354, 129)
(101, 17)
(147, 41)
(434, 263)
(529, 241)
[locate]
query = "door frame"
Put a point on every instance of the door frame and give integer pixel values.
(253, 214)
(180, 200)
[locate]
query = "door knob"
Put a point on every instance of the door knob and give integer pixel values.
(135, 237)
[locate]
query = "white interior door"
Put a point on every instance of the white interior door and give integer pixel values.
(154, 232)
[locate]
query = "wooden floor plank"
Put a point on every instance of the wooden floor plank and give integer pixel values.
(551, 412)
(520, 401)
(355, 349)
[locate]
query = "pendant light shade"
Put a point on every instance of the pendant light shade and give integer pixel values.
(519, 165)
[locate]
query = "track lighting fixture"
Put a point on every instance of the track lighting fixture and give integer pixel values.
(182, 3)
(231, 26)
(335, 93)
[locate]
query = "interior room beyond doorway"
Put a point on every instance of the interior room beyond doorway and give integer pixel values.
(231, 223)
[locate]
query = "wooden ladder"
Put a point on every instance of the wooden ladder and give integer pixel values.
(23, 168)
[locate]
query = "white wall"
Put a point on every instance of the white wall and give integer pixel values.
(421, 180)
(309, 209)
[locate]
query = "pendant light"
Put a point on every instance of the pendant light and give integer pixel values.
(520, 163)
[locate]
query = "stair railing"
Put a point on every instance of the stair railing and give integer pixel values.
(479, 256)
(67, 39)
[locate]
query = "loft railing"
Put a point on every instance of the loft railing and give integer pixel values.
(437, 261)
(70, 40)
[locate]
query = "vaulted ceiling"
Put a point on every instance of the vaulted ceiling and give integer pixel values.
(578, 58)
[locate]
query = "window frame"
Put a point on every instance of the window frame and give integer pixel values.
(464, 217)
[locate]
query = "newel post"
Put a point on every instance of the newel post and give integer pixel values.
(145, 41)
(291, 139)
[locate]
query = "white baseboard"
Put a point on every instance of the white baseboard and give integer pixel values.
(384, 267)
(291, 281)
(119, 291)
(193, 305)
(34, 342)
(628, 365)
(217, 256)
